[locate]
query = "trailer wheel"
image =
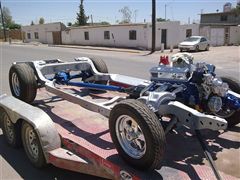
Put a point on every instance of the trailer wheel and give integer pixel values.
(137, 134)
(101, 66)
(22, 82)
(11, 132)
(231, 116)
(32, 145)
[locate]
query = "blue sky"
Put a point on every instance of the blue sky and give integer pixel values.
(24, 11)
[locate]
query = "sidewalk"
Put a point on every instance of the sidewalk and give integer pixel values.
(166, 52)
(99, 48)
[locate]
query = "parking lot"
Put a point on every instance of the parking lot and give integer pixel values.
(186, 158)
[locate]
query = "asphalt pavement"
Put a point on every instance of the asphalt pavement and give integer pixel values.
(14, 164)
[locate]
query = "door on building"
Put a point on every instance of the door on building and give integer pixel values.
(226, 35)
(57, 38)
(164, 37)
(217, 36)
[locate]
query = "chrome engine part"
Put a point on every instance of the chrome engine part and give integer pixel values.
(155, 99)
(214, 85)
(163, 72)
(215, 104)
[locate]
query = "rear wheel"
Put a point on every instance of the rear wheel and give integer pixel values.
(22, 82)
(101, 67)
(11, 132)
(32, 145)
(137, 134)
(207, 48)
(231, 116)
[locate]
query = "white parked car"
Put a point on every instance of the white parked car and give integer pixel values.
(194, 43)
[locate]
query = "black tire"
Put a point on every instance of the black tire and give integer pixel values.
(234, 85)
(150, 127)
(197, 48)
(26, 89)
(99, 64)
(101, 67)
(11, 132)
(28, 133)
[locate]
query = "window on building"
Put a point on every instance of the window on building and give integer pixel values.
(188, 33)
(224, 17)
(36, 35)
(86, 35)
(106, 34)
(133, 35)
(29, 35)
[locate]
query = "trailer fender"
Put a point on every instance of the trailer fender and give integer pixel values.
(41, 122)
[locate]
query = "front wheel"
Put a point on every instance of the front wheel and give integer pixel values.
(22, 82)
(231, 116)
(137, 134)
(197, 48)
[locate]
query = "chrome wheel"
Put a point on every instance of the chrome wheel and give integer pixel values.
(32, 143)
(15, 84)
(9, 129)
(130, 136)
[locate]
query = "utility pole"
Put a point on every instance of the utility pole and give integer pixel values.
(3, 24)
(92, 19)
(165, 12)
(153, 25)
(135, 15)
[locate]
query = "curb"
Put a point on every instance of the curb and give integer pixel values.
(97, 48)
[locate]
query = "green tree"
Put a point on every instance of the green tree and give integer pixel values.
(81, 17)
(14, 26)
(69, 24)
(32, 23)
(41, 20)
(104, 23)
(236, 9)
(160, 20)
(126, 15)
(7, 18)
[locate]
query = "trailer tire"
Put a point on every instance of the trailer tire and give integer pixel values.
(137, 134)
(101, 67)
(32, 145)
(11, 131)
(234, 85)
(22, 82)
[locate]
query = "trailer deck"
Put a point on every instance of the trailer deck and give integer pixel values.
(87, 146)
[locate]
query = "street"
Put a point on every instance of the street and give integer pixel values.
(13, 162)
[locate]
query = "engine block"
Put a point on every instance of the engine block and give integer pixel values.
(163, 72)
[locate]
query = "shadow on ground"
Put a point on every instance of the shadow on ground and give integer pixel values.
(182, 153)
(17, 159)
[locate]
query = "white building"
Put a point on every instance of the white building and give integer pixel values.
(45, 33)
(130, 35)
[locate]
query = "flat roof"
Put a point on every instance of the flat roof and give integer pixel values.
(220, 13)
(45, 24)
(111, 25)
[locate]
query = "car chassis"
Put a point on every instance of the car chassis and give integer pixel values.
(52, 74)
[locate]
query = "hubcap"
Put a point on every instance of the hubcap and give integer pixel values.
(130, 136)
(9, 127)
(15, 84)
(31, 141)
